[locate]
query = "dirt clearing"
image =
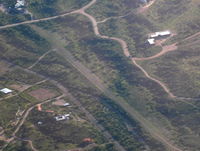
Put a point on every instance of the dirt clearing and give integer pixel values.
(60, 102)
(19, 87)
(42, 94)
(146, 7)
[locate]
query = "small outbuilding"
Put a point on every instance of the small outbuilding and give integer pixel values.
(6, 90)
(20, 4)
(151, 41)
(66, 104)
(62, 117)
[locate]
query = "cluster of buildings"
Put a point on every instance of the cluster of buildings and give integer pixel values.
(65, 116)
(62, 117)
(157, 35)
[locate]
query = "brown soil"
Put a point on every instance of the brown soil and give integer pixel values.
(60, 102)
(165, 50)
(2, 8)
(49, 111)
(145, 8)
(39, 107)
(3, 138)
(19, 87)
(42, 94)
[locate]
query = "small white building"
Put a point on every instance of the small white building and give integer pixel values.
(6, 90)
(160, 33)
(66, 104)
(151, 41)
(62, 117)
(40, 123)
(20, 4)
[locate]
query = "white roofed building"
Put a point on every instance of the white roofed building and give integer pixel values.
(62, 117)
(20, 4)
(6, 90)
(151, 41)
(161, 33)
(66, 104)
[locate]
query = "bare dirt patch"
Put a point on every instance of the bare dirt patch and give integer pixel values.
(19, 87)
(3, 137)
(2, 8)
(42, 94)
(145, 8)
(39, 107)
(60, 102)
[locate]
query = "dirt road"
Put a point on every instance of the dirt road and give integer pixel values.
(31, 145)
(49, 18)
(29, 142)
(115, 17)
(146, 7)
(165, 50)
(39, 59)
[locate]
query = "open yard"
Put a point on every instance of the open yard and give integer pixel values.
(42, 94)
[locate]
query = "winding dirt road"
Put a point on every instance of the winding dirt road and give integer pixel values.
(125, 50)
(165, 49)
(115, 17)
(127, 54)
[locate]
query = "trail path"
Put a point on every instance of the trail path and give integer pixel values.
(190, 37)
(39, 59)
(115, 17)
(31, 145)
